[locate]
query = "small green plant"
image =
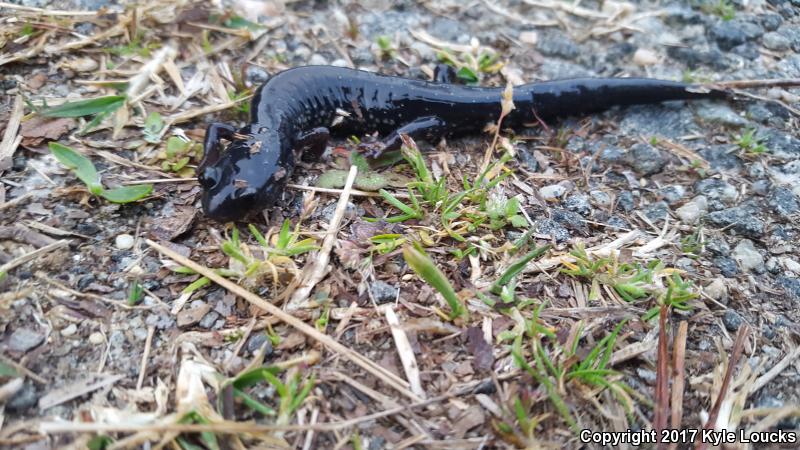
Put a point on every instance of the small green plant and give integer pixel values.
(692, 245)
(503, 211)
(135, 293)
(134, 47)
(99, 108)
(750, 142)
(424, 266)
(386, 48)
(177, 154)
(470, 67)
(292, 391)
(86, 172)
(386, 243)
(632, 281)
(721, 8)
(153, 125)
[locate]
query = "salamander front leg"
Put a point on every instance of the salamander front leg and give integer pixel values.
(429, 128)
(312, 143)
(444, 73)
(211, 150)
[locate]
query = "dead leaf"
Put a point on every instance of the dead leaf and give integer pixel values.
(38, 129)
(191, 316)
(483, 356)
(176, 224)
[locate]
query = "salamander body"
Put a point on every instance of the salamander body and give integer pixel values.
(300, 108)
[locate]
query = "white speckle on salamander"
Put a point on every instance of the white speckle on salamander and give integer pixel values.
(255, 148)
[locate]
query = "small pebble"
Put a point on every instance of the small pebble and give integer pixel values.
(717, 289)
(691, 212)
(732, 320)
(97, 338)
(552, 192)
(529, 37)
(69, 330)
(747, 256)
(124, 242)
(645, 57)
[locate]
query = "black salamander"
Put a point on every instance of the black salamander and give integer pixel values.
(300, 108)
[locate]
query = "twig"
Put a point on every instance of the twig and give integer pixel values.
(753, 84)
(100, 298)
(316, 270)
(776, 369)
(15, 201)
(23, 370)
(662, 376)
(226, 427)
(678, 377)
(145, 356)
(405, 352)
(46, 12)
(389, 378)
(736, 353)
(10, 138)
(20, 260)
(353, 192)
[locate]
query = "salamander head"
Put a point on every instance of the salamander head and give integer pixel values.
(248, 176)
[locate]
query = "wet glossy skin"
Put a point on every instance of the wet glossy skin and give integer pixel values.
(301, 107)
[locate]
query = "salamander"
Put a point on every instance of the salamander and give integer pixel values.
(299, 109)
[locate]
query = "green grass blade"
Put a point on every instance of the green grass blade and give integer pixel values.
(81, 165)
(127, 194)
(422, 264)
(83, 108)
(516, 268)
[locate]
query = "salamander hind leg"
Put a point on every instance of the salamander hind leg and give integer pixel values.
(312, 143)
(429, 128)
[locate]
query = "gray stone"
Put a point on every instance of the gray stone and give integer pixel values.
(722, 157)
(23, 339)
(317, 60)
(726, 265)
(718, 247)
(719, 113)
(716, 189)
(776, 41)
(255, 75)
(760, 187)
(552, 191)
(23, 400)
(625, 201)
(383, 292)
(732, 33)
(747, 256)
(578, 203)
(612, 154)
(694, 58)
(556, 43)
(209, 320)
(656, 212)
(718, 290)
(692, 211)
(742, 220)
(552, 229)
(257, 341)
(673, 193)
(732, 320)
(569, 219)
(618, 222)
(124, 241)
(783, 201)
(770, 22)
(600, 198)
(791, 285)
(646, 159)
(780, 144)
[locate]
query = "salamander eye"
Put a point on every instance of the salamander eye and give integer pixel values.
(209, 177)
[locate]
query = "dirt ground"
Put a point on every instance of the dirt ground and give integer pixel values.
(628, 271)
